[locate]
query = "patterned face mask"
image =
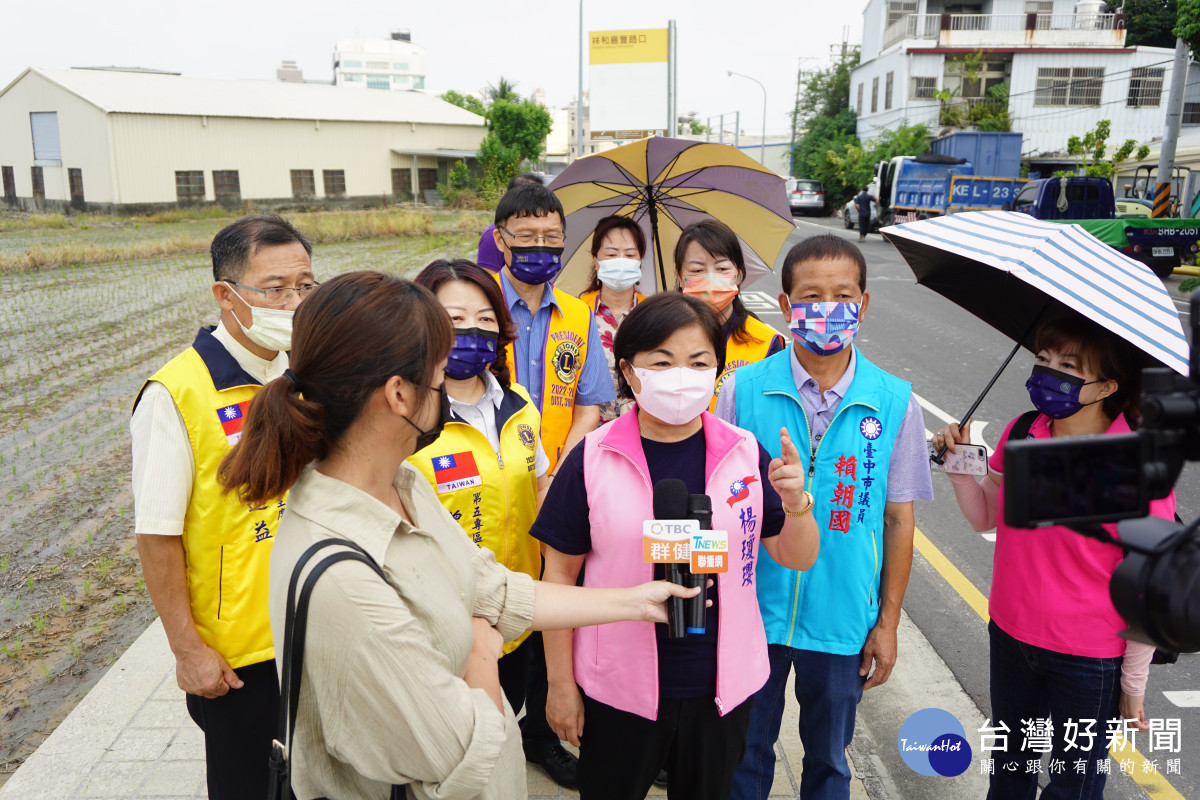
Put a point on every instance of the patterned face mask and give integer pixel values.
(825, 328)
(1055, 393)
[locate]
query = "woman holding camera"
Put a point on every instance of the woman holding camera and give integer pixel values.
(1056, 651)
(633, 699)
(400, 681)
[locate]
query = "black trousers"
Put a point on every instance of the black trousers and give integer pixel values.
(534, 726)
(238, 729)
(514, 675)
(621, 753)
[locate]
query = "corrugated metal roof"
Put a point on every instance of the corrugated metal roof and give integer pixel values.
(438, 153)
(148, 93)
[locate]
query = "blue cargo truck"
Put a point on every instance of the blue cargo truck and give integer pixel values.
(967, 171)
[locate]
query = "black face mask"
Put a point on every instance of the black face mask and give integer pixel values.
(426, 438)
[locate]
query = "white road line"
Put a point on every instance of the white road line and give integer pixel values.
(1184, 699)
(991, 537)
(977, 427)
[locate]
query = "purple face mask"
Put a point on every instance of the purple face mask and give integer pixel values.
(473, 350)
(536, 264)
(1054, 393)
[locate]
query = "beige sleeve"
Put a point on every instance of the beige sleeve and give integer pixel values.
(389, 704)
(163, 465)
(503, 597)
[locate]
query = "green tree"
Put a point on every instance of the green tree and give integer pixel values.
(504, 89)
(1092, 151)
(1149, 22)
(468, 101)
(1187, 24)
(827, 124)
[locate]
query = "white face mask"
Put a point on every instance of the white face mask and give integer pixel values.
(675, 395)
(619, 274)
(269, 327)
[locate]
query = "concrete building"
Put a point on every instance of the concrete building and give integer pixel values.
(1065, 64)
(394, 63)
(107, 139)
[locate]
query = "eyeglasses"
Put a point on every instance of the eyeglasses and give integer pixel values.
(527, 239)
(279, 295)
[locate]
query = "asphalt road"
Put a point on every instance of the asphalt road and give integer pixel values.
(949, 356)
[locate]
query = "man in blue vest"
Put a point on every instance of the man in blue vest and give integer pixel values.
(867, 461)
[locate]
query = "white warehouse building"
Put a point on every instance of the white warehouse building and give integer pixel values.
(111, 139)
(1065, 64)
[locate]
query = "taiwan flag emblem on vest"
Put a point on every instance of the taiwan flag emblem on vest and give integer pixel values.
(455, 471)
(232, 418)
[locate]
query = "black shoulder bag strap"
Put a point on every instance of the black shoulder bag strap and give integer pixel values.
(292, 668)
(1017, 433)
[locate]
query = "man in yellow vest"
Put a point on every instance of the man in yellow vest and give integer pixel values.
(204, 553)
(557, 357)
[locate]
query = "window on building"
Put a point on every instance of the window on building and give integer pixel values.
(75, 183)
(39, 182)
(402, 183)
(377, 65)
(419, 83)
(354, 77)
(226, 185)
(923, 88)
(858, 107)
(10, 183)
(189, 185)
(354, 64)
(378, 82)
(399, 65)
(335, 182)
(1191, 116)
(304, 185)
(44, 127)
(1145, 87)
(900, 8)
(874, 95)
(401, 80)
(1069, 86)
(887, 92)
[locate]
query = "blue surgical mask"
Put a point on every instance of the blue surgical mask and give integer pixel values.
(825, 328)
(474, 349)
(1054, 393)
(536, 264)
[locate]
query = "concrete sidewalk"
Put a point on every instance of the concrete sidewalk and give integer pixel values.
(131, 736)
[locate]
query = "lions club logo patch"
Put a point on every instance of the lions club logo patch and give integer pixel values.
(525, 434)
(566, 361)
(870, 428)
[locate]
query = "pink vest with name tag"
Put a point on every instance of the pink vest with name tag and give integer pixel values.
(617, 664)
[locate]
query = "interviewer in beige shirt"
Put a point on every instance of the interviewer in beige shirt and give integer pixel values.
(400, 683)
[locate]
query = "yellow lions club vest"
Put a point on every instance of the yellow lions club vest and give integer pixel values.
(739, 354)
(565, 353)
(492, 495)
(227, 543)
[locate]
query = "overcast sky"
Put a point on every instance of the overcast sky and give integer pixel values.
(468, 43)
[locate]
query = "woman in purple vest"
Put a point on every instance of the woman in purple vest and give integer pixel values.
(634, 699)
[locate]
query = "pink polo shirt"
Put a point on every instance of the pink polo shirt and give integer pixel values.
(1050, 585)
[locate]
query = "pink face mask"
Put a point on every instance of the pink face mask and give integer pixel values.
(677, 395)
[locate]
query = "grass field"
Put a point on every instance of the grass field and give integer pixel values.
(76, 342)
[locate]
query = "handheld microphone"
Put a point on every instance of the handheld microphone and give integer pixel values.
(671, 502)
(699, 508)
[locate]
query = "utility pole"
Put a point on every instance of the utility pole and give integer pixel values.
(1166, 157)
(579, 100)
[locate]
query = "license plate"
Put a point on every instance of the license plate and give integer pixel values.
(1162, 252)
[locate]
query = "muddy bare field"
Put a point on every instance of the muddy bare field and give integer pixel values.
(76, 343)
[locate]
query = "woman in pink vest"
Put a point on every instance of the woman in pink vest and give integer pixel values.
(634, 699)
(1057, 658)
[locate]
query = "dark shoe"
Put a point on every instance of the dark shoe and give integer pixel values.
(558, 763)
(661, 778)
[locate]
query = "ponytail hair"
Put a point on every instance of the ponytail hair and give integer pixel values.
(349, 337)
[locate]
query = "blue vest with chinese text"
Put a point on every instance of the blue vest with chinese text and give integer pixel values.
(831, 607)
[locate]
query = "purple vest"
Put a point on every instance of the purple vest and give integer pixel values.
(617, 664)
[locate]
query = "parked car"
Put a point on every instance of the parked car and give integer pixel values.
(850, 216)
(806, 197)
